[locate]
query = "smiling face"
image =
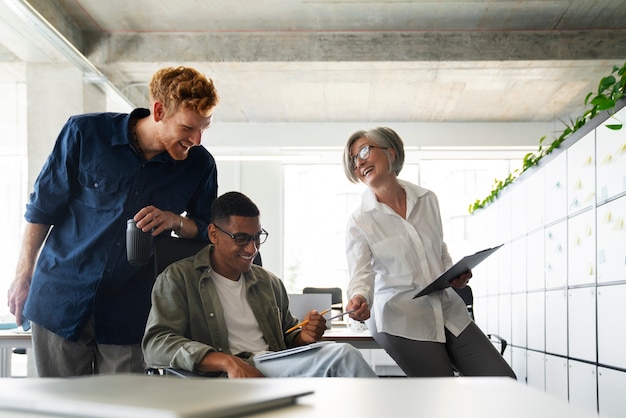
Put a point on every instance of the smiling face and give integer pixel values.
(375, 167)
(181, 131)
(228, 258)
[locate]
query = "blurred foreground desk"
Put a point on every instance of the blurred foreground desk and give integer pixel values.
(10, 339)
(453, 397)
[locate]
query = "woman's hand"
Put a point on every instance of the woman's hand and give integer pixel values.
(461, 281)
(360, 306)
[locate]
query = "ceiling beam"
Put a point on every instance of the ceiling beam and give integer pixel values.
(358, 46)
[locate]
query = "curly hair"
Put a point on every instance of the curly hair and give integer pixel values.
(183, 87)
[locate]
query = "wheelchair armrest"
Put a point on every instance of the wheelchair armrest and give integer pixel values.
(179, 373)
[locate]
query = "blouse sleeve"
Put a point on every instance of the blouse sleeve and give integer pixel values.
(359, 258)
(446, 259)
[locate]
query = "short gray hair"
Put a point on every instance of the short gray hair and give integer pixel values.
(381, 136)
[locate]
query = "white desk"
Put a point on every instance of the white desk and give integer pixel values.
(344, 334)
(10, 339)
(438, 397)
(454, 397)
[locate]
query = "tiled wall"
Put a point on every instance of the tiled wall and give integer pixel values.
(557, 290)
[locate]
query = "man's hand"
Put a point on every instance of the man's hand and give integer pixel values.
(16, 297)
(313, 330)
(234, 366)
(360, 306)
(155, 220)
(34, 236)
(461, 281)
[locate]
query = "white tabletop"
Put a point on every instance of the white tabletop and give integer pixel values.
(455, 397)
(344, 334)
(459, 397)
(15, 338)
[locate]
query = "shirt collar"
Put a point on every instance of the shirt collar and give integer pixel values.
(124, 138)
(413, 193)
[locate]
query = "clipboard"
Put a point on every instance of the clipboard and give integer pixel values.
(462, 266)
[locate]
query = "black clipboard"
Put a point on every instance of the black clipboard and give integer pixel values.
(462, 266)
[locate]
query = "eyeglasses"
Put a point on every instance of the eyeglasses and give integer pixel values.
(363, 154)
(242, 239)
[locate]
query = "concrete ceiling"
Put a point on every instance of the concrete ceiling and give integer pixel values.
(347, 60)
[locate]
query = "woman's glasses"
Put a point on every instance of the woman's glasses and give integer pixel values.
(363, 154)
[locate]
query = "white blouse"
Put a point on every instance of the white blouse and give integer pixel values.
(391, 259)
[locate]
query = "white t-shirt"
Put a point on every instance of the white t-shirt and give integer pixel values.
(244, 332)
(390, 259)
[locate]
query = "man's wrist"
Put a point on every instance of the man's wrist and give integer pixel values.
(180, 225)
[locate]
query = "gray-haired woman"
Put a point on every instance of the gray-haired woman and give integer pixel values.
(395, 248)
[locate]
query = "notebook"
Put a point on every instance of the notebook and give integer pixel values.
(138, 395)
(290, 351)
(463, 266)
(301, 304)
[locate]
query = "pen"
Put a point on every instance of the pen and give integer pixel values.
(295, 327)
(341, 314)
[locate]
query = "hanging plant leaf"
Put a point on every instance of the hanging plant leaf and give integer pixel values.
(606, 83)
(610, 91)
(603, 103)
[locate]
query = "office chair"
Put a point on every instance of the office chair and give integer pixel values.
(468, 297)
(335, 292)
(168, 249)
(498, 340)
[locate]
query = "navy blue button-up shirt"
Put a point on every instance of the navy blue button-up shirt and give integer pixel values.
(92, 182)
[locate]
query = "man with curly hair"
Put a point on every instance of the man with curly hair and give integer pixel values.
(88, 305)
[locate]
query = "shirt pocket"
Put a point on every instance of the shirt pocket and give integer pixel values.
(394, 262)
(97, 190)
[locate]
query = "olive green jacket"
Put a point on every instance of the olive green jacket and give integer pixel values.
(186, 320)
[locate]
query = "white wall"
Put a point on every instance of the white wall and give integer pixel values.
(264, 135)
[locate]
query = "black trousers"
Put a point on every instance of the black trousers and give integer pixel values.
(471, 354)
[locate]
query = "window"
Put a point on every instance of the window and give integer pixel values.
(319, 199)
(13, 186)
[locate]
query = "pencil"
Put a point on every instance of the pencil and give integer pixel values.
(295, 327)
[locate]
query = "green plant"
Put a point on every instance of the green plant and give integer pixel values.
(611, 89)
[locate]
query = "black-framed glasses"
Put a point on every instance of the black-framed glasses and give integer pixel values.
(363, 154)
(242, 239)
